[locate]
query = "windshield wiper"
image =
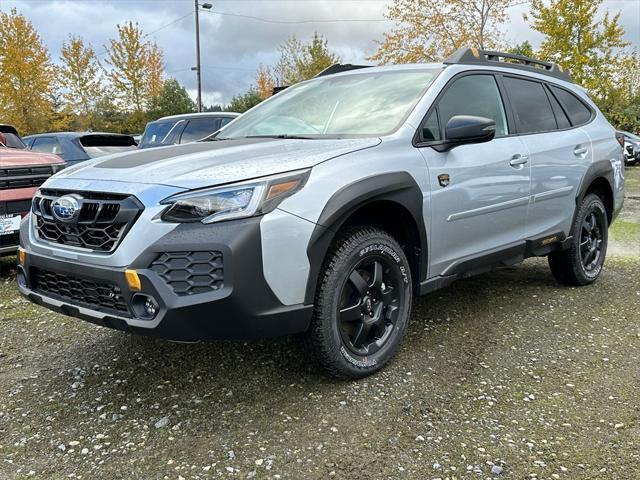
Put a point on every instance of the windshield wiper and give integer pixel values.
(282, 135)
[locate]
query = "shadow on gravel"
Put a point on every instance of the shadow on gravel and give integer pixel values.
(463, 306)
(7, 267)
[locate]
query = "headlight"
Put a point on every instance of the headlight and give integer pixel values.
(56, 167)
(239, 200)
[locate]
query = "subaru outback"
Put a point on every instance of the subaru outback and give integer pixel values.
(326, 208)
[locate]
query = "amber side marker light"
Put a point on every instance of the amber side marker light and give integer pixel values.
(133, 280)
(281, 188)
(22, 255)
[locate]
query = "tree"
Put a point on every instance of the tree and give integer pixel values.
(155, 81)
(428, 30)
(242, 103)
(575, 38)
(173, 99)
(265, 81)
(136, 68)
(525, 49)
(301, 61)
(81, 78)
(27, 76)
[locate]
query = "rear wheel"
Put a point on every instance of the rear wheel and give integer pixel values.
(362, 303)
(582, 263)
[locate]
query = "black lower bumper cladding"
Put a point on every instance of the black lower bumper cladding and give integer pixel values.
(241, 307)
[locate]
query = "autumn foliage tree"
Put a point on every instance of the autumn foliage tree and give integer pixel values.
(428, 30)
(136, 72)
(81, 78)
(265, 82)
(576, 38)
(301, 61)
(27, 76)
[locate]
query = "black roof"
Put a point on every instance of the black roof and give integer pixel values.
(474, 56)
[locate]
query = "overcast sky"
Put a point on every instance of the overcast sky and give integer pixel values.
(233, 46)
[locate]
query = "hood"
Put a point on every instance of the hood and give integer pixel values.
(204, 164)
(10, 157)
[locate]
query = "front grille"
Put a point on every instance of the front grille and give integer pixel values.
(80, 291)
(21, 177)
(103, 220)
(188, 273)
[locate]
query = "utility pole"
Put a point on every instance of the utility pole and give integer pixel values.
(197, 68)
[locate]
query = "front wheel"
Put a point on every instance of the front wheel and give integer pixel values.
(582, 263)
(362, 303)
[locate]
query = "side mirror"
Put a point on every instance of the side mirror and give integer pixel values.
(466, 130)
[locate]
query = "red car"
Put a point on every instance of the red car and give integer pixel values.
(21, 173)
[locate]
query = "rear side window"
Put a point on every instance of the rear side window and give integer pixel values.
(531, 105)
(578, 112)
(199, 128)
(476, 95)
(47, 145)
(561, 116)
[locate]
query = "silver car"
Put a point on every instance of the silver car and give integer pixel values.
(324, 209)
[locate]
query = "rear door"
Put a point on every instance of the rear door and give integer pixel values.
(479, 193)
(560, 154)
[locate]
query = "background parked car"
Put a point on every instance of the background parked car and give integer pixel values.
(21, 173)
(186, 128)
(631, 148)
(76, 147)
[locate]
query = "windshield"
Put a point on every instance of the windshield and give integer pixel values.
(11, 140)
(161, 133)
(363, 104)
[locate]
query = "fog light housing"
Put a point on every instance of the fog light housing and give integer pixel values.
(145, 306)
(150, 307)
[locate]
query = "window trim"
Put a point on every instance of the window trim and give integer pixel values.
(416, 142)
(511, 122)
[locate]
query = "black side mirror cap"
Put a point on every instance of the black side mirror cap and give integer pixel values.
(466, 130)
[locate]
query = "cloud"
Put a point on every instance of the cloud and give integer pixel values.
(232, 47)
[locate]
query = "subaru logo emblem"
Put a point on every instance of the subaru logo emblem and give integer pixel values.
(66, 208)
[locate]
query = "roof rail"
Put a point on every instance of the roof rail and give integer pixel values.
(339, 68)
(475, 56)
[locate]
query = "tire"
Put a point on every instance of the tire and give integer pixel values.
(581, 264)
(362, 303)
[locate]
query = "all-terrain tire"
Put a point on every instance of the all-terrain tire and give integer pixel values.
(572, 266)
(328, 339)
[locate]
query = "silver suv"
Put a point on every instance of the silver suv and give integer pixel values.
(327, 207)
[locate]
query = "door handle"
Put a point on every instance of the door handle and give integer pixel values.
(518, 161)
(580, 151)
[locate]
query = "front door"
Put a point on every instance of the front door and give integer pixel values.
(479, 193)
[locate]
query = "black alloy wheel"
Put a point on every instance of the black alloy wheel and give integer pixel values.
(369, 305)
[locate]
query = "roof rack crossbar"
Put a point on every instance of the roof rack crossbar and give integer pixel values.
(339, 68)
(489, 57)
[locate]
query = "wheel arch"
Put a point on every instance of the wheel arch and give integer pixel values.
(599, 179)
(392, 201)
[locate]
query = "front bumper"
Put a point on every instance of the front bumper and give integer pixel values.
(243, 308)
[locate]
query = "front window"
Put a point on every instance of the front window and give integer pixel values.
(362, 104)
(160, 133)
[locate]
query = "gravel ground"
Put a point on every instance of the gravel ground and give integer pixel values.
(505, 375)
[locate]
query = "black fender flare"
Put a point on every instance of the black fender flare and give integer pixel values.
(600, 169)
(397, 187)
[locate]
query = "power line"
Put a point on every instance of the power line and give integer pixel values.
(271, 20)
(167, 24)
